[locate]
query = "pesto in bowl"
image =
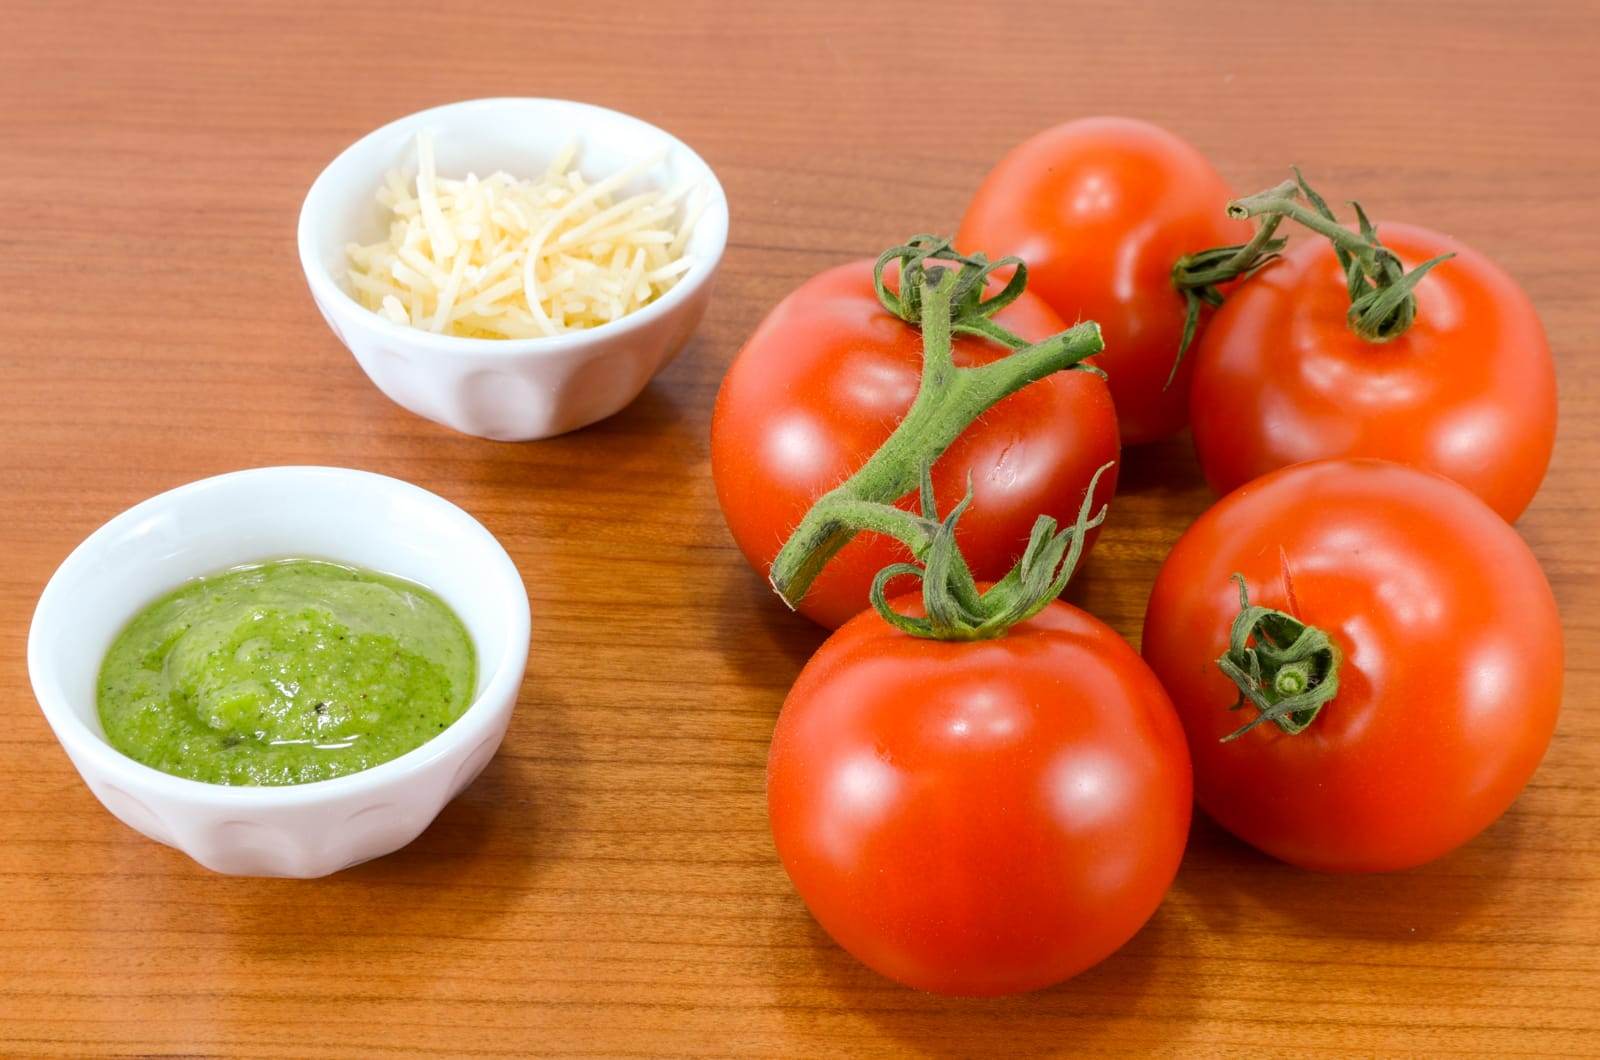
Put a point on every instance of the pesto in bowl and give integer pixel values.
(285, 672)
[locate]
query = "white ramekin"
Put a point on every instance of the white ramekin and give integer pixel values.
(351, 517)
(510, 389)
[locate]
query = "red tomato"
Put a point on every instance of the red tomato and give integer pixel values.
(1101, 209)
(1469, 390)
(1451, 673)
(979, 817)
(825, 379)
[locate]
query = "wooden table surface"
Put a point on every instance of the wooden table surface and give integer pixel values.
(609, 885)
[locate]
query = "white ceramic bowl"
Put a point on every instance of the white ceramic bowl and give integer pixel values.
(348, 516)
(508, 389)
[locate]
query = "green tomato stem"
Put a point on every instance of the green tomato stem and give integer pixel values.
(943, 301)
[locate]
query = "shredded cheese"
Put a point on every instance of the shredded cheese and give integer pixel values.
(502, 258)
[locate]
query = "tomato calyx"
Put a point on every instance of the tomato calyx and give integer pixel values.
(949, 398)
(1382, 305)
(969, 310)
(1284, 668)
(955, 608)
(1382, 302)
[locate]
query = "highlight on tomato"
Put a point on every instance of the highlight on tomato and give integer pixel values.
(1366, 660)
(985, 791)
(1415, 348)
(1101, 209)
(851, 364)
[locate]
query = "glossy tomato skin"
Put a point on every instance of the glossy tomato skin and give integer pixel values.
(1468, 391)
(825, 379)
(985, 817)
(1101, 209)
(1451, 679)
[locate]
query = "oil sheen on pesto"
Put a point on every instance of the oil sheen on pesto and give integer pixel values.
(285, 673)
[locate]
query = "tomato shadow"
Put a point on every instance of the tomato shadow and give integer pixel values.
(1232, 886)
(757, 636)
(1159, 493)
(1135, 999)
(1167, 466)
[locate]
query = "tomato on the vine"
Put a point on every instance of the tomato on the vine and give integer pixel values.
(1467, 389)
(979, 817)
(1397, 673)
(823, 382)
(1101, 209)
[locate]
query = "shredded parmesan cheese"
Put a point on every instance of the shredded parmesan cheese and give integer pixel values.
(502, 258)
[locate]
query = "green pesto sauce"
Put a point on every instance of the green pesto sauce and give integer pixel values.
(285, 673)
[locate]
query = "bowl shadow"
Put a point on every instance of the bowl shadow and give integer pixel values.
(471, 866)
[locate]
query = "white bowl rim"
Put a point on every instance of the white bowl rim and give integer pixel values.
(324, 286)
(504, 680)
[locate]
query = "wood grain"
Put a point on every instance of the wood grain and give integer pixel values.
(608, 887)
